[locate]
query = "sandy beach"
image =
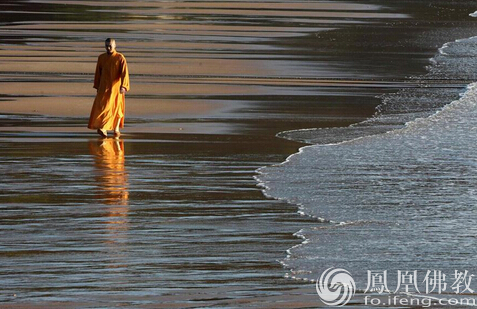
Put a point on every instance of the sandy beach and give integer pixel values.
(170, 215)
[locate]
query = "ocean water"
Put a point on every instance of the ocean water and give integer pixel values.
(397, 192)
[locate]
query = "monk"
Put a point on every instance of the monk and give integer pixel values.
(111, 81)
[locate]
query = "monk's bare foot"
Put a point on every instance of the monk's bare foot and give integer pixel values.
(103, 133)
(117, 134)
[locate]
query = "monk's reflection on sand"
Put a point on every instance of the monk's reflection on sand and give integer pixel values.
(112, 179)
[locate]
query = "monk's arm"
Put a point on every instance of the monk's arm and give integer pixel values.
(124, 76)
(97, 75)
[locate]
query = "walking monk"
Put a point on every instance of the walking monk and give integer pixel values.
(112, 82)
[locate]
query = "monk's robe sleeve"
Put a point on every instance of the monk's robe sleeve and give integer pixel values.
(97, 74)
(124, 74)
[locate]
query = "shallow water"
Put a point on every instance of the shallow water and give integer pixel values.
(139, 218)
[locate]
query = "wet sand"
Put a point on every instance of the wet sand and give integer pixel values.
(170, 215)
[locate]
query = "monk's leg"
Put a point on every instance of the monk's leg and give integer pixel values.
(102, 132)
(116, 128)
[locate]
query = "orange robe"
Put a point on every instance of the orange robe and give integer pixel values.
(109, 105)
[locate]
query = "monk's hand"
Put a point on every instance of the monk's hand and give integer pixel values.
(122, 90)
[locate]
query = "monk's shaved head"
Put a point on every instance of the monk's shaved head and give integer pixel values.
(110, 45)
